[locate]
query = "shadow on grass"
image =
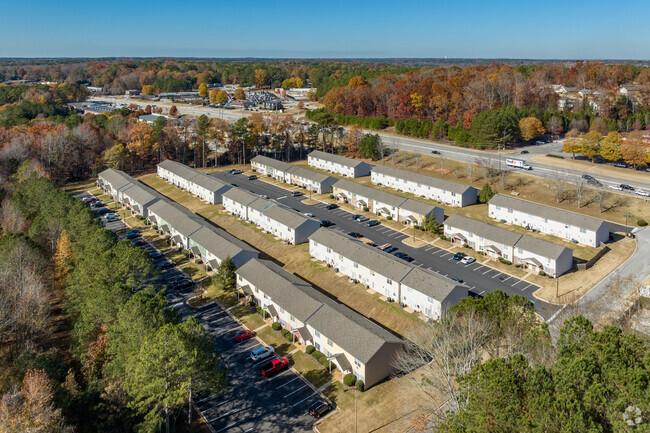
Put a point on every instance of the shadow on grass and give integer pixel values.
(318, 377)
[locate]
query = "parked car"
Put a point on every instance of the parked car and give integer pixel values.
(234, 184)
(165, 264)
(615, 187)
(88, 199)
(620, 165)
(182, 283)
(523, 152)
(308, 214)
(372, 223)
(356, 217)
(362, 218)
(97, 204)
(372, 244)
(407, 258)
(325, 223)
(435, 152)
(467, 260)
(642, 193)
(390, 250)
(132, 235)
(264, 196)
(276, 365)
(156, 255)
(594, 182)
(252, 177)
(296, 193)
(139, 242)
(235, 171)
(459, 256)
(627, 187)
(331, 206)
(319, 408)
(110, 217)
(103, 211)
(262, 353)
(355, 235)
(399, 254)
(243, 335)
(384, 247)
(458, 280)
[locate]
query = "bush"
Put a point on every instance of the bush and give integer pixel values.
(389, 217)
(542, 273)
(331, 195)
(288, 335)
(155, 227)
(186, 253)
(321, 358)
(518, 265)
(504, 261)
(642, 223)
(276, 326)
(550, 155)
(360, 385)
(349, 379)
(258, 310)
(366, 209)
(309, 349)
(198, 261)
(465, 245)
(139, 217)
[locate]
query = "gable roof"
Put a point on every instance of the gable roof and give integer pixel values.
(271, 162)
(423, 179)
(551, 213)
(305, 173)
(541, 247)
(142, 194)
(193, 176)
(483, 229)
(240, 196)
(219, 242)
(385, 197)
(181, 219)
(336, 159)
(180, 170)
(116, 178)
(353, 332)
(422, 280)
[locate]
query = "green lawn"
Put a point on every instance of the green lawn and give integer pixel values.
(247, 316)
(273, 338)
(310, 369)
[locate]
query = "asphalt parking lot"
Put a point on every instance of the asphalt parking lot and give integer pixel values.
(251, 402)
(481, 279)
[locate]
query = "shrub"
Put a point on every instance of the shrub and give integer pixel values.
(321, 358)
(276, 326)
(465, 245)
(258, 310)
(550, 155)
(198, 261)
(155, 227)
(309, 349)
(366, 209)
(288, 335)
(642, 223)
(331, 195)
(360, 385)
(518, 265)
(349, 379)
(542, 273)
(186, 253)
(139, 217)
(389, 217)
(504, 261)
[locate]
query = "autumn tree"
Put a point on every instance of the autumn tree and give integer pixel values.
(357, 81)
(554, 126)
(63, 256)
(352, 138)
(221, 97)
(116, 156)
(140, 141)
(173, 111)
(292, 83)
(260, 77)
(148, 89)
(590, 144)
(203, 89)
(610, 147)
(213, 96)
(635, 152)
(530, 127)
(239, 94)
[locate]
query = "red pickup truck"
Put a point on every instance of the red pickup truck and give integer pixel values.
(274, 366)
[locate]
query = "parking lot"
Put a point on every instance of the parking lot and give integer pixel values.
(251, 402)
(481, 279)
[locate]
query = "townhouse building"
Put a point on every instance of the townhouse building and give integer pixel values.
(350, 341)
(571, 226)
(443, 191)
(205, 187)
(495, 242)
(278, 170)
(111, 181)
(338, 164)
(415, 287)
(401, 209)
(128, 191)
(291, 174)
(272, 217)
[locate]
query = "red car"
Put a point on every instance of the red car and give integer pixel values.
(274, 366)
(243, 335)
(139, 242)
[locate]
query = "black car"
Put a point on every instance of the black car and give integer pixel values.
(435, 152)
(459, 256)
(156, 255)
(587, 177)
(252, 177)
(399, 254)
(627, 187)
(458, 280)
(319, 408)
(182, 283)
(325, 223)
(133, 235)
(331, 206)
(593, 182)
(523, 152)
(103, 211)
(234, 184)
(165, 264)
(355, 235)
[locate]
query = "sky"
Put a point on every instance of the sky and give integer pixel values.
(553, 29)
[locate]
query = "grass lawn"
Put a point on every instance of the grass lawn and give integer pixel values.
(310, 369)
(247, 316)
(275, 339)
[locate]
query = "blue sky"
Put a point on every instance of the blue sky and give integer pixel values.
(568, 29)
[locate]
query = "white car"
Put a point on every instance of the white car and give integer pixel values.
(615, 187)
(262, 353)
(308, 214)
(264, 196)
(467, 260)
(642, 193)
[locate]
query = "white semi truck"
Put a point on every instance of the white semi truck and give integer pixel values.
(518, 163)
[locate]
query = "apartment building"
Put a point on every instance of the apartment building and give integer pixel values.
(206, 187)
(293, 175)
(338, 164)
(549, 220)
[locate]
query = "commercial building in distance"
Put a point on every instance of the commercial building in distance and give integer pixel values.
(350, 341)
(532, 253)
(272, 217)
(404, 210)
(443, 191)
(420, 289)
(549, 220)
(199, 184)
(338, 164)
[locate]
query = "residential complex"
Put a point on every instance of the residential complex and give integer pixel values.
(549, 220)
(443, 191)
(200, 184)
(128, 191)
(272, 217)
(338, 164)
(292, 174)
(400, 209)
(351, 342)
(415, 287)
(532, 253)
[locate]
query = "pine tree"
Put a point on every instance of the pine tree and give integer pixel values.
(486, 193)
(226, 277)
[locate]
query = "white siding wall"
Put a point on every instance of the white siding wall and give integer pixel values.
(421, 302)
(443, 196)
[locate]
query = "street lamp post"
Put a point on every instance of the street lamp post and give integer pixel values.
(627, 215)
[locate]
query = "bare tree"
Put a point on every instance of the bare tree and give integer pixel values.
(601, 196)
(579, 191)
(559, 187)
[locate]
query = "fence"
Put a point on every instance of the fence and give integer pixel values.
(594, 259)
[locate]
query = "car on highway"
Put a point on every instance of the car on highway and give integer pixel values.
(252, 177)
(243, 335)
(296, 193)
(372, 223)
(459, 256)
(319, 408)
(642, 193)
(139, 242)
(627, 187)
(523, 152)
(264, 196)
(262, 353)
(276, 365)
(435, 152)
(308, 214)
(594, 182)
(331, 206)
(355, 235)
(615, 187)
(458, 280)
(325, 223)
(467, 260)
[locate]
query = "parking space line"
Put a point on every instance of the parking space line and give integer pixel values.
(279, 375)
(506, 279)
(230, 426)
(308, 397)
(430, 248)
(489, 269)
(496, 275)
(446, 254)
(518, 281)
(287, 383)
(293, 392)
(526, 288)
(216, 406)
(481, 294)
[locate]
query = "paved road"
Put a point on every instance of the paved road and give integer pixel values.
(480, 278)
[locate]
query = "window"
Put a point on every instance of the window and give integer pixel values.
(389, 281)
(329, 250)
(520, 251)
(356, 265)
(453, 194)
(257, 290)
(357, 363)
(317, 346)
(281, 309)
(471, 235)
(315, 243)
(293, 319)
(582, 230)
(266, 296)
(408, 289)
(430, 299)
(329, 342)
(316, 333)
(509, 210)
(498, 207)
(239, 278)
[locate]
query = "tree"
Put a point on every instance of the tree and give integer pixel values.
(554, 126)
(357, 81)
(140, 140)
(634, 150)
(590, 144)
(63, 257)
(571, 145)
(202, 129)
(352, 138)
(260, 77)
(530, 127)
(239, 94)
(221, 97)
(486, 193)
(173, 111)
(370, 146)
(226, 277)
(213, 96)
(148, 89)
(292, 83)
(430, 224)
(610, 147)
(203, 89)
(116, 156)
